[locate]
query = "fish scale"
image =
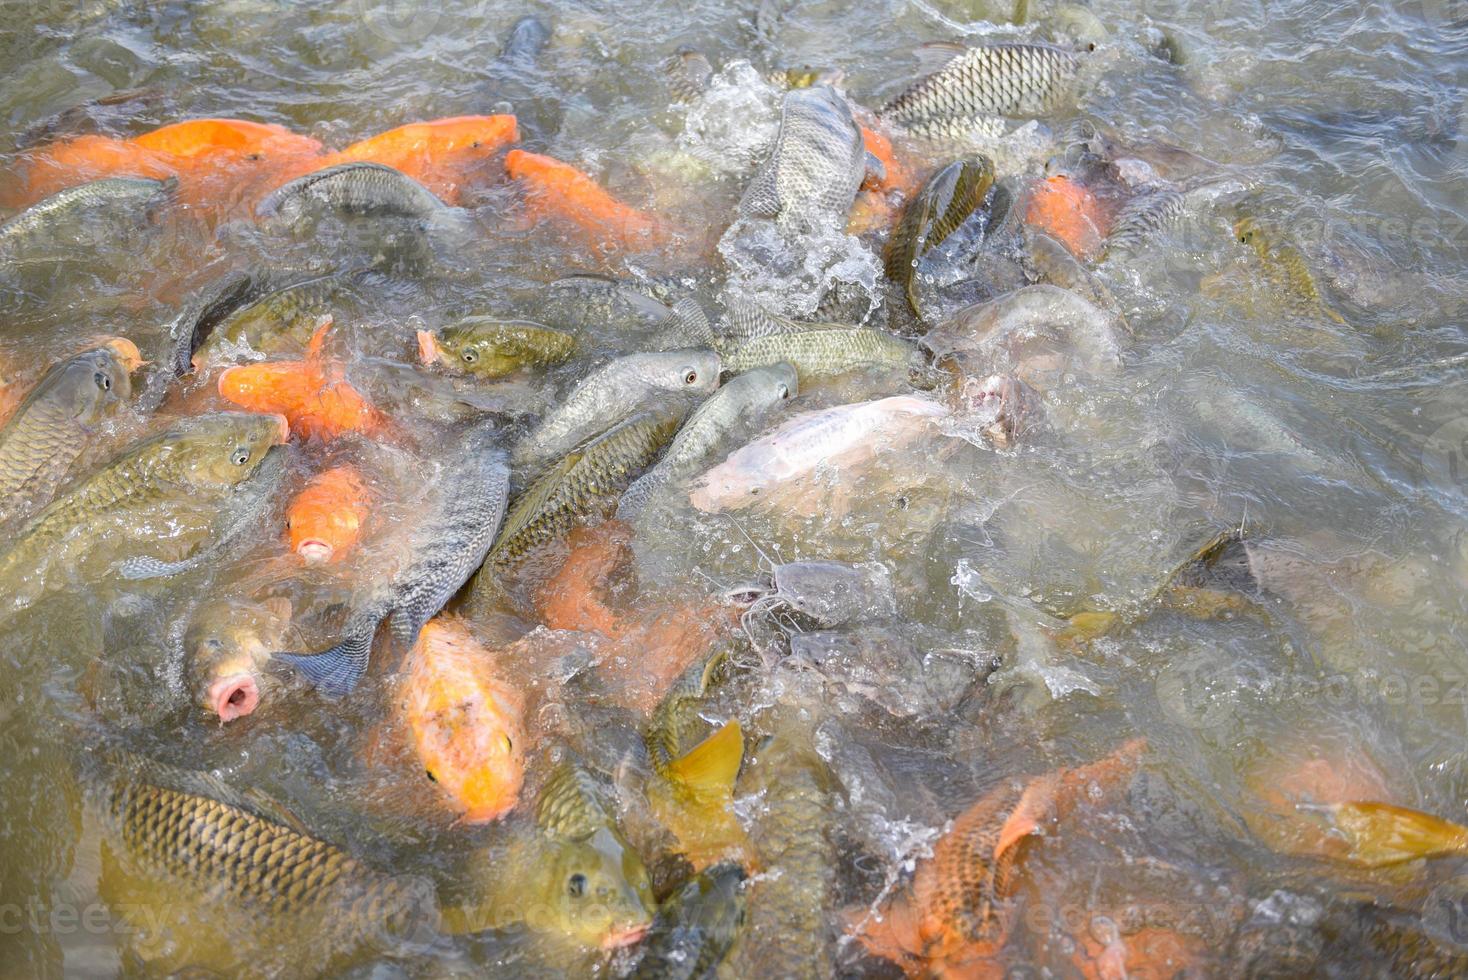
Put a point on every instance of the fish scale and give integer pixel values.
(816, 167)
(945, 202)
(982, 84)
(124, 197)
(821, 352)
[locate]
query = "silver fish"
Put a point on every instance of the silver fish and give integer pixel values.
(446, 546)
(350, 189)
(95, 213)
(745, 397)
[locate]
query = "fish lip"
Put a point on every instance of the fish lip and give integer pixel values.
(222, 695)
(285, 427)
(427, 347)
(315, 551)
(625, 937)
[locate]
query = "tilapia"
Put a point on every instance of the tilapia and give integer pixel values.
(576, 879)
(831, 437)
(442, 550)
(49, 429)
(789, 931)
(358, 189)
(97, 213)
(593, 302)
(968, 98)
(695, 927)
(184, 840)
(581, 483)
(823, 351)
(189, 470)
(280, 321)
(746, 397)
(943, 204)
(489, 348)
(811, 177)
(608, 395)
(1157, 210)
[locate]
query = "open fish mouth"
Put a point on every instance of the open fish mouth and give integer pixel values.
(315, 551)
(234, 697)
(624, 937)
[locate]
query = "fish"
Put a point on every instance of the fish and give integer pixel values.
(746, 397)
(487, 347)
(811, 177)
(181, 839)
(695, 927)
(99, 212)
(693, 794)
(687, 73)
(788, 929)
(594, 302)
(451, 539)
(324, 520)
(191, 326)
(440, 154)
(979, 86)
(466, 723)
(580, 485)
(835, 436)
(226, 648)
(821, 351)
(360, 190)
(893, 175)
(189, 469)
(1066, 210)
(944, 203)
(1382, 834)
(194, 138)
(49, 428)
(279, 321)
(313, 395)
(577, 879)
(1286, 271)
(956, 912)
(611, 393)
(558, 190)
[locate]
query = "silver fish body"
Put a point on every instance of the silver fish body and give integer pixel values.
(811, 177)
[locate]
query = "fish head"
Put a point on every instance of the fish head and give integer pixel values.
(467, 348)
(466, 138)
(277, 386)
(225, 449)
(226, 648)
(468, 732)
(94, 384)
(596, 890)
(691, 371)
(730, 487)
(325, 519)
(772, 384)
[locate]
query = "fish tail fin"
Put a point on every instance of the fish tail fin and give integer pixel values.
(335, 671)
(708, 770)
(1381, 833)
(318, 337)
(893, 934)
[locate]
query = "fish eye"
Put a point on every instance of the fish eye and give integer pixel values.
(470, 355)
(1091, 46)
(509, 745)
(103, 382)
(784, 392)
(431, 777)
(690, 376)
(240, 456)
(254, 156)
(475, 145)
(576, 885)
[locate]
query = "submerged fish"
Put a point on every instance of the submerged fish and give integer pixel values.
(177, 839)
(48, 430)
(693, 794)
(324, 520)
(226, 648)
(811, 177)
(367, 190)
(440, 153)
(687, 73)
(450, 541)
(576, 879)
(189, 469)
(1286, 271)
(580, 485)
(695, 927)
(559, 190)
(746, 397)
(465, 722)
(102, 212)
(945, 202)
(980, 86)
(1066, 209)
(280, 321)
(833, 437)
(609, 394)
(196, 138)
(490, 348)
(956, 912)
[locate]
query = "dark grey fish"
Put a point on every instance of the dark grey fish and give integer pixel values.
(688, 73)
(443, 550)
(944, 203)
(981, 86)
(366, 190)
(811, 177)
(95, 213)
(515, 82)
(189, 330)
(695, 927)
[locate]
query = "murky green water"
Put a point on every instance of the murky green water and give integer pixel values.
(1339, 449)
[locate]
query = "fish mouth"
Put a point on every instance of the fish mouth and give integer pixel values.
(285, 428)
(618, 938)
(427, 347)
(234, 697)
(314, 551)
